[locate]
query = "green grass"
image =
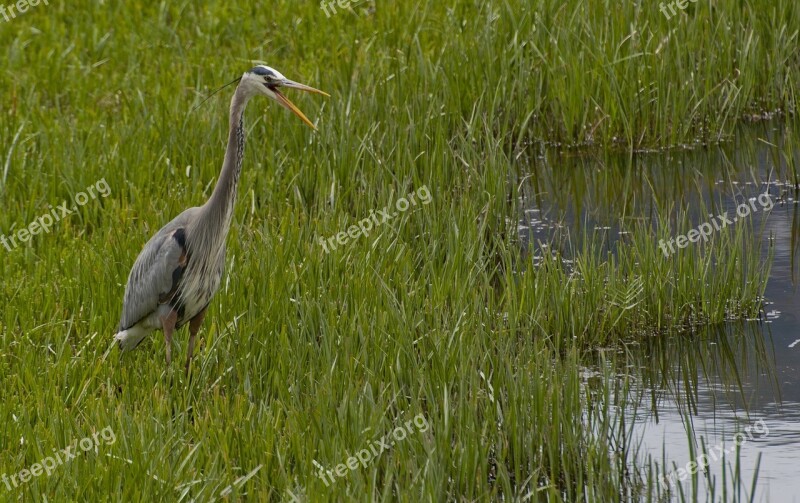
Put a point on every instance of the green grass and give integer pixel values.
(308, 357)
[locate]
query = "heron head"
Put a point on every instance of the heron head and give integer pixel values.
(267, 81)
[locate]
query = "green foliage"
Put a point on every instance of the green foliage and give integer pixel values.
(307, 357)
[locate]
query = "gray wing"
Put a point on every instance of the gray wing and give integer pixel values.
(157, 272)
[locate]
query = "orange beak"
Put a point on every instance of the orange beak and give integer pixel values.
(284, 101)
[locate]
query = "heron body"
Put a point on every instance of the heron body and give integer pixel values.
(180, 268)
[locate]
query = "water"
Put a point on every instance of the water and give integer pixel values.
(762, 384)
(743, 377)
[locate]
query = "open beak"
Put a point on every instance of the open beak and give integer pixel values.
(284, 101)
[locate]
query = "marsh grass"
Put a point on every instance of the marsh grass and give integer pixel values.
(306, 357)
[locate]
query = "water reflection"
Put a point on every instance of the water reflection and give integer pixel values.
(693, 392)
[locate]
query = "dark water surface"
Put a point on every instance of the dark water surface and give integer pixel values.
(743, 377)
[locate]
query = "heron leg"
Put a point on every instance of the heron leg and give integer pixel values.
(168, 326)
(194, 327)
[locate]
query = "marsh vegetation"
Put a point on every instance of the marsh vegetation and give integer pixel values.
(527, 312)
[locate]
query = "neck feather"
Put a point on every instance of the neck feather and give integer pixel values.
(218, 210)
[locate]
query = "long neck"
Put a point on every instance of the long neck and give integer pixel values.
(218, 210)
(224, 196)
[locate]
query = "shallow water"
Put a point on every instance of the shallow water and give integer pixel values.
(762, 386)
(740, 378)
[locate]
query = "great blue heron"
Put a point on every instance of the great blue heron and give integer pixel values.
(180, 268)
